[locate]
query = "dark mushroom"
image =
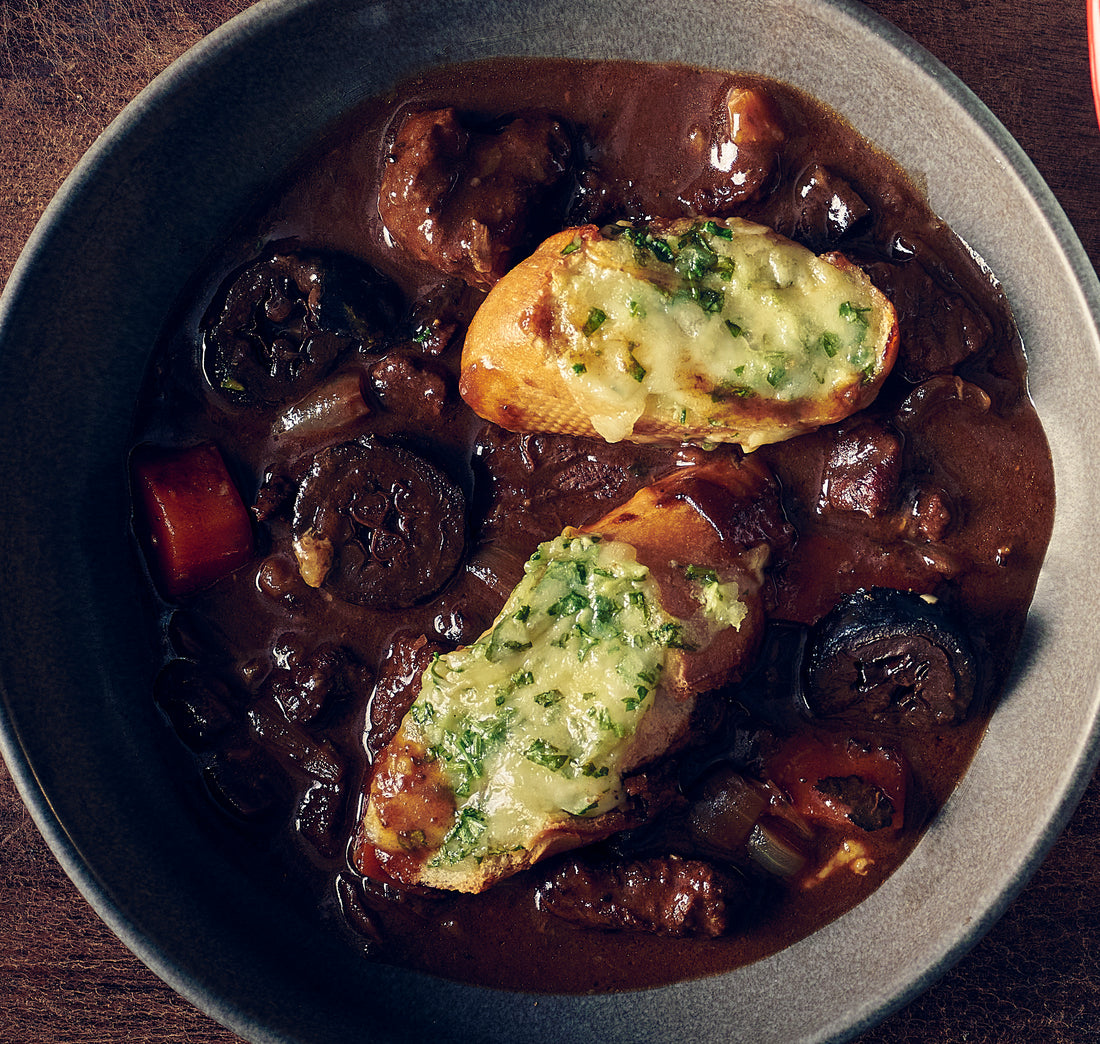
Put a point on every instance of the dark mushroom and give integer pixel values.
(890, 657)
(285, 320)
(862, 470)
(377, 525)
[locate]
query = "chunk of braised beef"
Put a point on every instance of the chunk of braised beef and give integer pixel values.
(937, 328)
(729, 158)
(469, 200)
(304, 684)
(438, 317)
(283, 322)
(197, 703)
(747, 132)
(826, 208)
(277, 488)
(410, 384)
(540, 483)
(929, 515)
(377, 525)
(862, 470)
(398, 685)
(668, 896)
(883, 656)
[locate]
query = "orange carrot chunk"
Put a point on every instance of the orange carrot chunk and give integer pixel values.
(196, 527)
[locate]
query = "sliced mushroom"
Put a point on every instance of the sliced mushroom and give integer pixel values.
(284, 321)
(889, 656)
(377, 525)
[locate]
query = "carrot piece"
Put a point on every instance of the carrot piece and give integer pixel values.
(805, 763)
(196, 527)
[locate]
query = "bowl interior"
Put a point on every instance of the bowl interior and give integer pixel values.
(108, 784)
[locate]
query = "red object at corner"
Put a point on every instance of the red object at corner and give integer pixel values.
(193, 523)
(1094, 51)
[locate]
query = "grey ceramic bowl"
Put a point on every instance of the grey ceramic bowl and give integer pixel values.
(105, 780)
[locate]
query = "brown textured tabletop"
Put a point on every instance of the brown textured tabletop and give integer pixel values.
(68, 66)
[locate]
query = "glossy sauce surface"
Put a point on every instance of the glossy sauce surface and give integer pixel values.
(943, 487)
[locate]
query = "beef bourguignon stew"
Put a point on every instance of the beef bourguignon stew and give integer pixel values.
(592, 510)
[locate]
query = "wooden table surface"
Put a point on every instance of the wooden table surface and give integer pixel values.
(68, 66)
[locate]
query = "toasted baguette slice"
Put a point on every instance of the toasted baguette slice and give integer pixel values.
(695, 330)
(523, 744)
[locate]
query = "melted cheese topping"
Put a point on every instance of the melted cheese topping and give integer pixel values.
(530, 724)
(711, 312)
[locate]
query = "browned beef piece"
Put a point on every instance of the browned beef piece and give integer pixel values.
(538, 484)
(465, 200)
(668, 896)
(406, 382)
(398, 685)
(827, 208)
(303, 684)
(938, 328)
(862, 471)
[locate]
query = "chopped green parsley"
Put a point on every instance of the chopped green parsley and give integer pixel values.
(656, 317)
(532, 720)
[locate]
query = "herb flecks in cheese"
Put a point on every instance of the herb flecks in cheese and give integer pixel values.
(720, 602)
(532, 721)
(677, 322)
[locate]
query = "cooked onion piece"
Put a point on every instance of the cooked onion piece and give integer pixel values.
(285, 320)
(521, 745)
(695, 330)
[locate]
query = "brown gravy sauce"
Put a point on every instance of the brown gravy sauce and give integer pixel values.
(648, 129)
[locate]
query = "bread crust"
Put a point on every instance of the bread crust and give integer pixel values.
(409, 807)
(512, 373)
